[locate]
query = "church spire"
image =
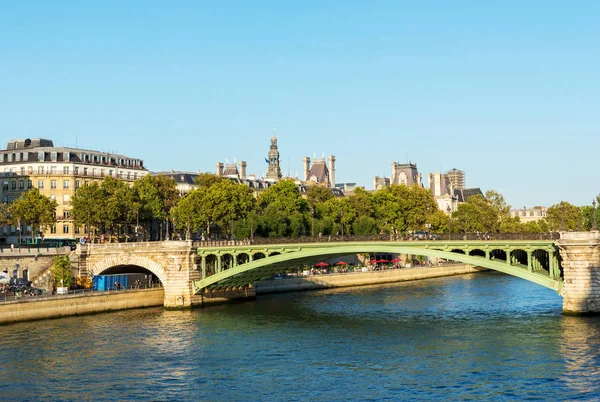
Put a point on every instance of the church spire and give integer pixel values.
(274, 170)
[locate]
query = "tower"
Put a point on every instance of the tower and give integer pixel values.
(274, 170)
(331, 171)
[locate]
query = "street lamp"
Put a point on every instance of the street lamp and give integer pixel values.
(342, 222)
(595, 224)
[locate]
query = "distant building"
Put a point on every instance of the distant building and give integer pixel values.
(319, 172)
(457, 177)
(533, 214)
(406, 173)
(185, 181)
(443, 191)
(380, 182)
(346, 188)
(57, 172)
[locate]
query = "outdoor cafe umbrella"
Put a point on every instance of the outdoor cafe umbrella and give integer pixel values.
(395, 260)
(382, 261)
(341, 263)
(373, 262)
(321, 264)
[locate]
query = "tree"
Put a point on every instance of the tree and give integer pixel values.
(207, 179)
(497, 202)
(562, 212)
(117, 205)
(277, 206)
(156, 195)
(317, 194)
(86, 206)
(475, 215)
(61, 271)
(34, 209)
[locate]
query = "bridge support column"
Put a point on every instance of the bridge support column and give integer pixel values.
(529, 262)
(203, 266)
(580, 252)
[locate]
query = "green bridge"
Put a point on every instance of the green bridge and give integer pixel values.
(568, 263)
(238, 264)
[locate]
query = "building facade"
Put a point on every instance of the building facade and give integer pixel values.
(57, 172)
(533, 214)
(457, 177)
(319, 172)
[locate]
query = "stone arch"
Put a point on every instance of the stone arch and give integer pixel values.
(143, 262)
(477, 252)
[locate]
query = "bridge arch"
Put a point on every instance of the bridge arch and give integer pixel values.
(143, 262)
(260, 269)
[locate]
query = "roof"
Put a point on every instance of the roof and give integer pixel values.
(464, 194)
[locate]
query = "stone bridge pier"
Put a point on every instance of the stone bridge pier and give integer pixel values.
(580, 252)
(173, 262)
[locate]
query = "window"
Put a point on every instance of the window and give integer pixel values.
(40, 183)
(65, 214)
(13, 185)
(22, 171)
(77, 184)
(66, 184)
(5, 185)
(21, 184)
(110, 172)
(65, 170)
(53, 230)
(52, 197)
(40, 170)
(29, 184)
(93, 171)
(65, 228)
(76, 230)
(53, 156)
(76, 169)
(102, 172)
(52, 183)
(135, 176)
(5, 199)
(85, 171)
(66, 199)
(53, 170)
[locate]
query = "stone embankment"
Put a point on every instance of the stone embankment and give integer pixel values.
(313, 282)
(78, 304)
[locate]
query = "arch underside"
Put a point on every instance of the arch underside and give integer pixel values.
(258, 270)
(119, 261)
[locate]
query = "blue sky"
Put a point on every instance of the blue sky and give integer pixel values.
(507, 92)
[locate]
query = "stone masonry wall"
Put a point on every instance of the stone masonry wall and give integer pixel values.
(580, 252)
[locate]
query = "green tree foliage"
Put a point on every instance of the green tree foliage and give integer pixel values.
(86, 208)
(61, 271)
(207, 179)
(278, 206)
(564, 210)
(497, 202)
(317, 194)
(33, 209)
(155, 196)
(220, 203)
(476, 215)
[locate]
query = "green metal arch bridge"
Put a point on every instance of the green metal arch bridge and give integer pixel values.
(237, 264)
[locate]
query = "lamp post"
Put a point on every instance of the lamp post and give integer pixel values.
(449, 211)
(342, 222)
(595, 223)
(312, 222)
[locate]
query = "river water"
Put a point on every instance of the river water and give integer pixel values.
(484, 336)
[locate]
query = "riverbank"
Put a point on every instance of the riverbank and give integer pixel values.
(315, 282)
(79, 304)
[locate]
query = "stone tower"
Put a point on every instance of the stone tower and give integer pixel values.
(274, 170)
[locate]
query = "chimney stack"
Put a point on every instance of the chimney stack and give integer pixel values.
(219, 169)
(306, 167)
(243, 170)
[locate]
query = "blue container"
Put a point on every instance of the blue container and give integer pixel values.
(107, 282)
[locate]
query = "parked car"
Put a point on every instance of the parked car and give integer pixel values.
(423, 235)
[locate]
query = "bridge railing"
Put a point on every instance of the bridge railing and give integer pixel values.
(550, 236)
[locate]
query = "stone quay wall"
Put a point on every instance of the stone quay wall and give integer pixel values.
(79, 304)
(313, 282)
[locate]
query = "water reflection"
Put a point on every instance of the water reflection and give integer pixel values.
(580, 345)
(484, 336)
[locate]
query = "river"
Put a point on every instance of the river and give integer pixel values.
(473, 337)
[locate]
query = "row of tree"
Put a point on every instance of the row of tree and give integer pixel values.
(221, 208)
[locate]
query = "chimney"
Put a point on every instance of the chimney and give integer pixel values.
(394, 169)
(331, 171)
(219, 169)
(243, 170)
(306, 167)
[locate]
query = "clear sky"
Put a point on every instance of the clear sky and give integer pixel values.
(507, 91)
